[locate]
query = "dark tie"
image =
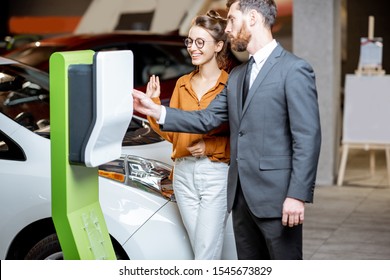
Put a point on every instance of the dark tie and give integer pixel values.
(247, 79)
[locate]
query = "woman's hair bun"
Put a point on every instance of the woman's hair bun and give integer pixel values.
(214, 14)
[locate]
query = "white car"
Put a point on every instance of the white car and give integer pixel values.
(141, 214)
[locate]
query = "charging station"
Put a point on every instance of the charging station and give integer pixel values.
(91, 107)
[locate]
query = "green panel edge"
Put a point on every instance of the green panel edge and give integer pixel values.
(76, 211)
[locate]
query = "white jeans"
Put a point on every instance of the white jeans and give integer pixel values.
(200, 190)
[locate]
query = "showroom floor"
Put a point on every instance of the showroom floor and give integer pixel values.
(351, 222)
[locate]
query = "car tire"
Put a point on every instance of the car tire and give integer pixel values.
(47, 249)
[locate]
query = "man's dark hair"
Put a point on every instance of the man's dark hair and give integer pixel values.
(265, 7)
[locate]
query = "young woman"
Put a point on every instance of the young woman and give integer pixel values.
(201, 161)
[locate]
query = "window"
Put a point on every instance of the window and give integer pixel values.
(24, 96)
(164, 60)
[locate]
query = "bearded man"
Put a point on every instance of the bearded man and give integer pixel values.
(271, 105)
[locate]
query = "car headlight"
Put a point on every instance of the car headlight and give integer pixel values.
(146, 174)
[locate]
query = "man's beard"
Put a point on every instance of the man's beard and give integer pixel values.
(240, 43)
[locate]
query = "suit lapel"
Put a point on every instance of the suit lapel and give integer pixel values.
(268, 65)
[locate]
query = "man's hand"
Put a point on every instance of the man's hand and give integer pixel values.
(293, 212)
(144, 105)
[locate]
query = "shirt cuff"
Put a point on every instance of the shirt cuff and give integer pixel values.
(161, 120)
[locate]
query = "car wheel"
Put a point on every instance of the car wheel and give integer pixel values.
(47, 249)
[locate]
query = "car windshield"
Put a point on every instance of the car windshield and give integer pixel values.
(24, 97)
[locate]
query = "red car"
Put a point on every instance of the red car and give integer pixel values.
(162, 55)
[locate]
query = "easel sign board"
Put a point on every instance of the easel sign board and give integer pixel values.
(367, 109)
(370, 53)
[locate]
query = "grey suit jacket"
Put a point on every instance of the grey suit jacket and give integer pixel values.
(275, 138)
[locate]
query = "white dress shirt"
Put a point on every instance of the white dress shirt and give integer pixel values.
(260, 57)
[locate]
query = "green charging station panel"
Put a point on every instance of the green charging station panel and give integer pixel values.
(76, 211)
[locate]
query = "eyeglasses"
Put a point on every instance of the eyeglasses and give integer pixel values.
(199, 42)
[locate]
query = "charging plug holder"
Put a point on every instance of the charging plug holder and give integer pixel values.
(100, 107)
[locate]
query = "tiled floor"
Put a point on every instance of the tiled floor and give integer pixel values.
(351, 222)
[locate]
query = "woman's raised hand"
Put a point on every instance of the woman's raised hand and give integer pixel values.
(153, 87)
